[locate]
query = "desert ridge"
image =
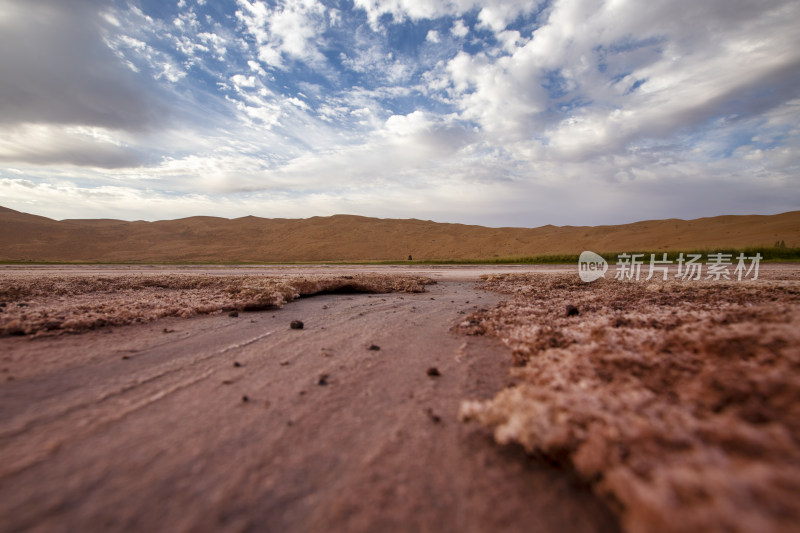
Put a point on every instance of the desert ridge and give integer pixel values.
(26, 237)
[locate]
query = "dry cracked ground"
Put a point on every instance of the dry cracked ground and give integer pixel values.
(632, 406)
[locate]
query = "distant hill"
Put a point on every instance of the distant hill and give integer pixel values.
(354, 238)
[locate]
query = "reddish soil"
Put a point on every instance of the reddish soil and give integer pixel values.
(242, 423)
(641, 406)
(678, 401)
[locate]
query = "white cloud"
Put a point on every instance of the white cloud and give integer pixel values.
(239, 81)
(686, 72)
(373, 59)
(594, 112)
(459, 29)
(495, 14)
(498, 15)
(292, 30)
(218, 42)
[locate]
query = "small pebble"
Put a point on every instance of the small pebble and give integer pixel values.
(237, 364)
(323, 380)
(433, 416)
(434, 372)
(572, 310)
(233, 314)
(374, 347)
(245, 399)
(296, 324)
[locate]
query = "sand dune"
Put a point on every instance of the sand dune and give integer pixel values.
(355, 238)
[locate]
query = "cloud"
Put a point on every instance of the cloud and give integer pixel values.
(291, 30)
(500, 112)
(495, 14)
(56, 69)
(585, 86)
(459, 29)
(68, 145)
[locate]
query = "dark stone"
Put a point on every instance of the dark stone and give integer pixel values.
(296, 324)
(434, 372)
(572, 310)
(436, 419)
(374, 347)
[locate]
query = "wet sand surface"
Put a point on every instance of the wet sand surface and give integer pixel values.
(221, 423)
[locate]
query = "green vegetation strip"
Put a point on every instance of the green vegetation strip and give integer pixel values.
(769, 254)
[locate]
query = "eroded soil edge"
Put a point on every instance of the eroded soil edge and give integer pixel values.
(678, 401)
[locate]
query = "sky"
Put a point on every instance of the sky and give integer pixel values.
(499, 113)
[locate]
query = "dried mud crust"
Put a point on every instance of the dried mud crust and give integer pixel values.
(31, 304)
(679, 400)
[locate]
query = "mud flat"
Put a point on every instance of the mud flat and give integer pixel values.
(241, 423)
(649, 406)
